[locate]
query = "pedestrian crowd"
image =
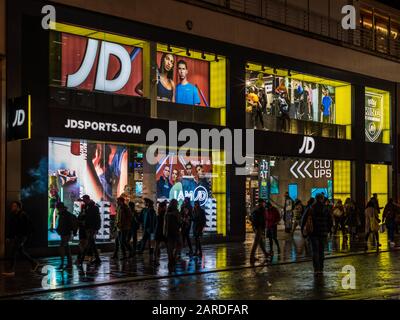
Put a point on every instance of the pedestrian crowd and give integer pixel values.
(166, 226)
(320, 219)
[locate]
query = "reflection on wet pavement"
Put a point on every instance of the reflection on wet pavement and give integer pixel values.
(219, 257)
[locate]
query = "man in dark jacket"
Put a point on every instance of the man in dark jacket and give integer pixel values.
(199, 222)
(187, 218)
(123, 223)
(321, 225)
(92, 225)
(148, 218)
(172, 223)
(18, 231)
(259, 224)
(67, 224)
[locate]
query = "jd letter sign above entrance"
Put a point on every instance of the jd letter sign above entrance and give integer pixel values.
(308, 145)
(373, 116)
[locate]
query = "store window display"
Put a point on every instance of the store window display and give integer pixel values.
(287, 101)
(108, 171)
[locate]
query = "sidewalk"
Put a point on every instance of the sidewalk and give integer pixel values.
(216, 257)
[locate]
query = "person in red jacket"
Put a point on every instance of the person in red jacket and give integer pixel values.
(272, 220)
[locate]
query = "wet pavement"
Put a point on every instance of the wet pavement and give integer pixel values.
(224, 272)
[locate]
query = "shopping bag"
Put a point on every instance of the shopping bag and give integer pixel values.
(382, 228)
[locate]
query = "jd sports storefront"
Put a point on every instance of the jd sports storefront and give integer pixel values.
(317, 129)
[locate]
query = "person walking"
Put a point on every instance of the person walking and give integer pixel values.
(159, 230)
(259, 224)
(352, 218)
(388, 217)
(82, 235)
(338, 214)
(372, 223)
(92, 226)
(316, 225)
(148, 218)
(273, 218)
(187, 217)
(172, 232)
(199, 222)
(18, 231)
(67, 225)
(288, 213)
(135, 225)
(297, 214)
(123, 222)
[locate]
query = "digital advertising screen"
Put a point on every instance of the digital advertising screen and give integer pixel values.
(187, 177)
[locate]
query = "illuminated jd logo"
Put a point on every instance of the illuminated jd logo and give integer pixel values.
(308, 145)
(19, 118)
(201, 195)
(102, 83)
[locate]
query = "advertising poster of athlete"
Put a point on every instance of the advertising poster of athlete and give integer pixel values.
(79, 167)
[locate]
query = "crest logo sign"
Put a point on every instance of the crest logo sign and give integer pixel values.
(373, 116)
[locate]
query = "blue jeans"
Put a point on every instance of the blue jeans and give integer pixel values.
(318, 246)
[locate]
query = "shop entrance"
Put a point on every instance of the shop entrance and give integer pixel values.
(302, 178)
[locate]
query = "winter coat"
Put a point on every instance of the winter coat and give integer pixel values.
(67, 223)
(123, 219)
(371, 220)
(19, 225)
(92, 217)
(199, 221)
(172, 222)
(321, 218)
(258, 218)
(273, 217)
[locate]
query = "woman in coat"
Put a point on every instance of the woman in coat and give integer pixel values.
(372, 224)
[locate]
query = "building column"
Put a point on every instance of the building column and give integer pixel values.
(236, 118)
(358, 134)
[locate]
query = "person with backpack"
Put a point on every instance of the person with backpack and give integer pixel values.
(92, 226)
(123, 222)
(259, 223)
(272, 219)
(388, 217)
(67, 225)
(159, 230)
(187, 217)
(172, 223)
(18, 231)
(199, 222)
(316, 225)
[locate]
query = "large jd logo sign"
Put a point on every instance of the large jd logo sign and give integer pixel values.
(373, 116)
(106, 50)
(18, 118)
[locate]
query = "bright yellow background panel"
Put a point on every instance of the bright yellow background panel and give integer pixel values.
(379, 182)
(342, 179)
